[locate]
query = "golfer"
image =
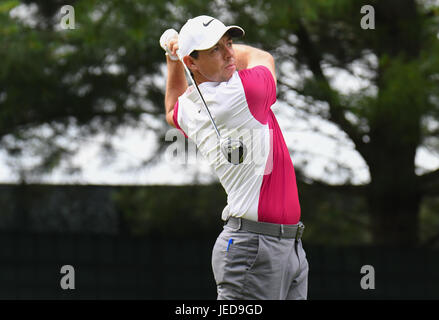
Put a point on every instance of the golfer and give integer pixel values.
(259, 253)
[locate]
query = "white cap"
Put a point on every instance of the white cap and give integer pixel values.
(202, 33)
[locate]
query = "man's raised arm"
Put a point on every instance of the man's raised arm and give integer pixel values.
(176, 83)
(249, 57)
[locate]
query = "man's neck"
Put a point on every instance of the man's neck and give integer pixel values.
(199, 79)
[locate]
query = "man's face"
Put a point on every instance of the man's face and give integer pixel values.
(216, 64)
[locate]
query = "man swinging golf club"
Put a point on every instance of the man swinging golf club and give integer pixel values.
(259, 254)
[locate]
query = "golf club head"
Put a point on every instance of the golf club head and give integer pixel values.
(234, 150)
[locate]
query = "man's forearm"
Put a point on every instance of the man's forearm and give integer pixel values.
(249, 57)
(245, 55)
(176, 83)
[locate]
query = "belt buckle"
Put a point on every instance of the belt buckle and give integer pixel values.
(299, 232)
(281, 231)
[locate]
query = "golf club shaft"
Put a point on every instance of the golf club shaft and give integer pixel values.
(201, 97)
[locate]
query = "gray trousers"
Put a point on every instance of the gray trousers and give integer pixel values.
(259, 267)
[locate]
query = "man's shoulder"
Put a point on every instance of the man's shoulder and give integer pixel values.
(256, 71)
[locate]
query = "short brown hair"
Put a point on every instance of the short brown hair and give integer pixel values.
(194, 54)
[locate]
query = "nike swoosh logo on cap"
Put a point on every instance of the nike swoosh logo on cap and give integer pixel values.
(206, 24)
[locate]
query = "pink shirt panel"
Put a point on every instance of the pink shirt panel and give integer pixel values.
(278, 198)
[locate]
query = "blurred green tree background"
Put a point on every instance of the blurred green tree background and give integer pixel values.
(108, 72)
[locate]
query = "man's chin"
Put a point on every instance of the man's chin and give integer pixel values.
(229, 74)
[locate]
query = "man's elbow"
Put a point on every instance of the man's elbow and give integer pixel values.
(270, 64)
(170, 118)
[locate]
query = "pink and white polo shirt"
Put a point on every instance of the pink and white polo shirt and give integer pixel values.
(262, 188)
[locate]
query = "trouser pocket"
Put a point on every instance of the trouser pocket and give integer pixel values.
(233, 255)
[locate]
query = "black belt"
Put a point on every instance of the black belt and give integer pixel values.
(290, 231)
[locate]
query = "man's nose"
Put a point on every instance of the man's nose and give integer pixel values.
(228, 52)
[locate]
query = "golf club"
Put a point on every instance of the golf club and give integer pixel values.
(233, 150)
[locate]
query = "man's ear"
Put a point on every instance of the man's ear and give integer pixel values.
(189, 62)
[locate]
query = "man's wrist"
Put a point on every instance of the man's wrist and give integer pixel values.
(169, 59)
(172, 57)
